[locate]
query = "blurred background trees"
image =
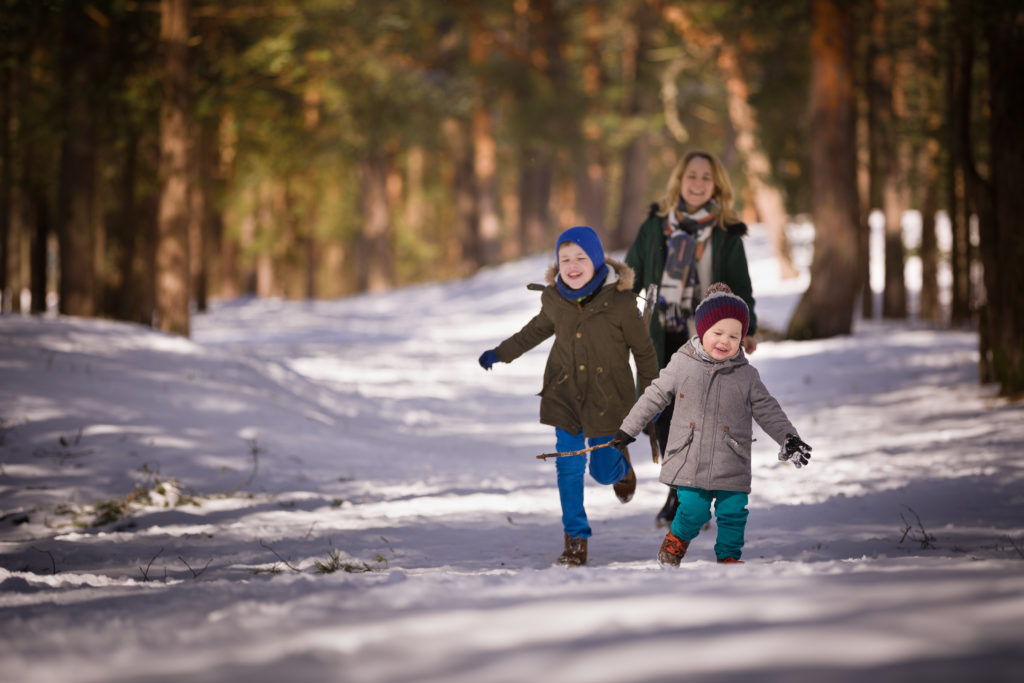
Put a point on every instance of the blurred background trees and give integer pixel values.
(157, 154)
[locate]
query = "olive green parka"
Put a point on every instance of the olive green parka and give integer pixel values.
(588, 382)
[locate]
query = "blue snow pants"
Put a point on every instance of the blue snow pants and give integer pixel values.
(607, 466)
(730, 518)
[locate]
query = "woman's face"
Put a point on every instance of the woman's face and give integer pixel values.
(574, 266)
(698, 184)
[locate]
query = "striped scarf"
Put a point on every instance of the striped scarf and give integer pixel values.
(686, 235)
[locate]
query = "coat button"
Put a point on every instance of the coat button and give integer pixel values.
(583, 367)
(579, 335)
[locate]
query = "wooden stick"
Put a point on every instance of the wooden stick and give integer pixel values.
(543, 456)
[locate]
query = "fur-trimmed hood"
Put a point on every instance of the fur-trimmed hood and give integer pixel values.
(619, 274)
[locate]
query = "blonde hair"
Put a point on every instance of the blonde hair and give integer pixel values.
(723, 187)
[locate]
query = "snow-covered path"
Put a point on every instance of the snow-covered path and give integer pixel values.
(360, 435)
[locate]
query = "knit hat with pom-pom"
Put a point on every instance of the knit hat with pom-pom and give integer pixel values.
(719, 303)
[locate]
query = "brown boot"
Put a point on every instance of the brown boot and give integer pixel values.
(730, 560)
(672, 550)
(626, 487)
(575, 553)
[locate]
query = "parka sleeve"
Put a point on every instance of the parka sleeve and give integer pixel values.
(767, 412)
(533, 333)
(651, 401)
(640, 345)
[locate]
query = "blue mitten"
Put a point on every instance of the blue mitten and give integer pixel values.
(488, 358)
(794, 450)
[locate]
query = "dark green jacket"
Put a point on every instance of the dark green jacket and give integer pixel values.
(588, 383)
(729, 265)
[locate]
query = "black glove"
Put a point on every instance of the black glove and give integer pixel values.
(794, 450)
(488, 358)
(621, 440)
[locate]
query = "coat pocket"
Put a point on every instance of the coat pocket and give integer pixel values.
(682, 447)
(739, 446)
(733, 444)
(553, 378)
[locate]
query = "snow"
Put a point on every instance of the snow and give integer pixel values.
(361, 435)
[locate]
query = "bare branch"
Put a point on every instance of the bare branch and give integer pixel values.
(286, 562)
(53, 563)
(195, 574)
(145, 572)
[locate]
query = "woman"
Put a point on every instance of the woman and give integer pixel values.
(691, 238)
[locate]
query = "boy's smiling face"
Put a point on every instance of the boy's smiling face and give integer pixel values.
(574, 266)
(722, 340)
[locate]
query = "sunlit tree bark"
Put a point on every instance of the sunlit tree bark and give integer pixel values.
(826, 308)
(172, 254)
(374, 259)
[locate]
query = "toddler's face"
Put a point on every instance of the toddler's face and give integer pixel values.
(574, 266)
(722, 340)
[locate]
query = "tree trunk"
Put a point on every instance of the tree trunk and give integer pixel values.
(636, 177)
(487, 224)
(38, 249)
(863, 132)
(374, 255)
(826, 308)
(312, 101)
(265, 223)
(172, 254)
(1002, 240)
(635, 194)
(6, 183)
(770, 206)
(201, 210)
(591, 177)
(536, 173)
(886, 174)
(485, 162)
(930, 309)
(591, 187)
(415, 197)
(229, 267)
(462, 245)
(77, 177)
(958, 94)
(124, 234)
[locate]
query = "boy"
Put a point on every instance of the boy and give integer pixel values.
(588, 387)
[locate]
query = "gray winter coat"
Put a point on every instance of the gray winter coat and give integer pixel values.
(588, 383)
(712, 422)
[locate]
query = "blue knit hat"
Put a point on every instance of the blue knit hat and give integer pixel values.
(719, 303)
(590, 243)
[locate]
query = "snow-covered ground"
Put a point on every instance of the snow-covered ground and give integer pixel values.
(335, 491)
